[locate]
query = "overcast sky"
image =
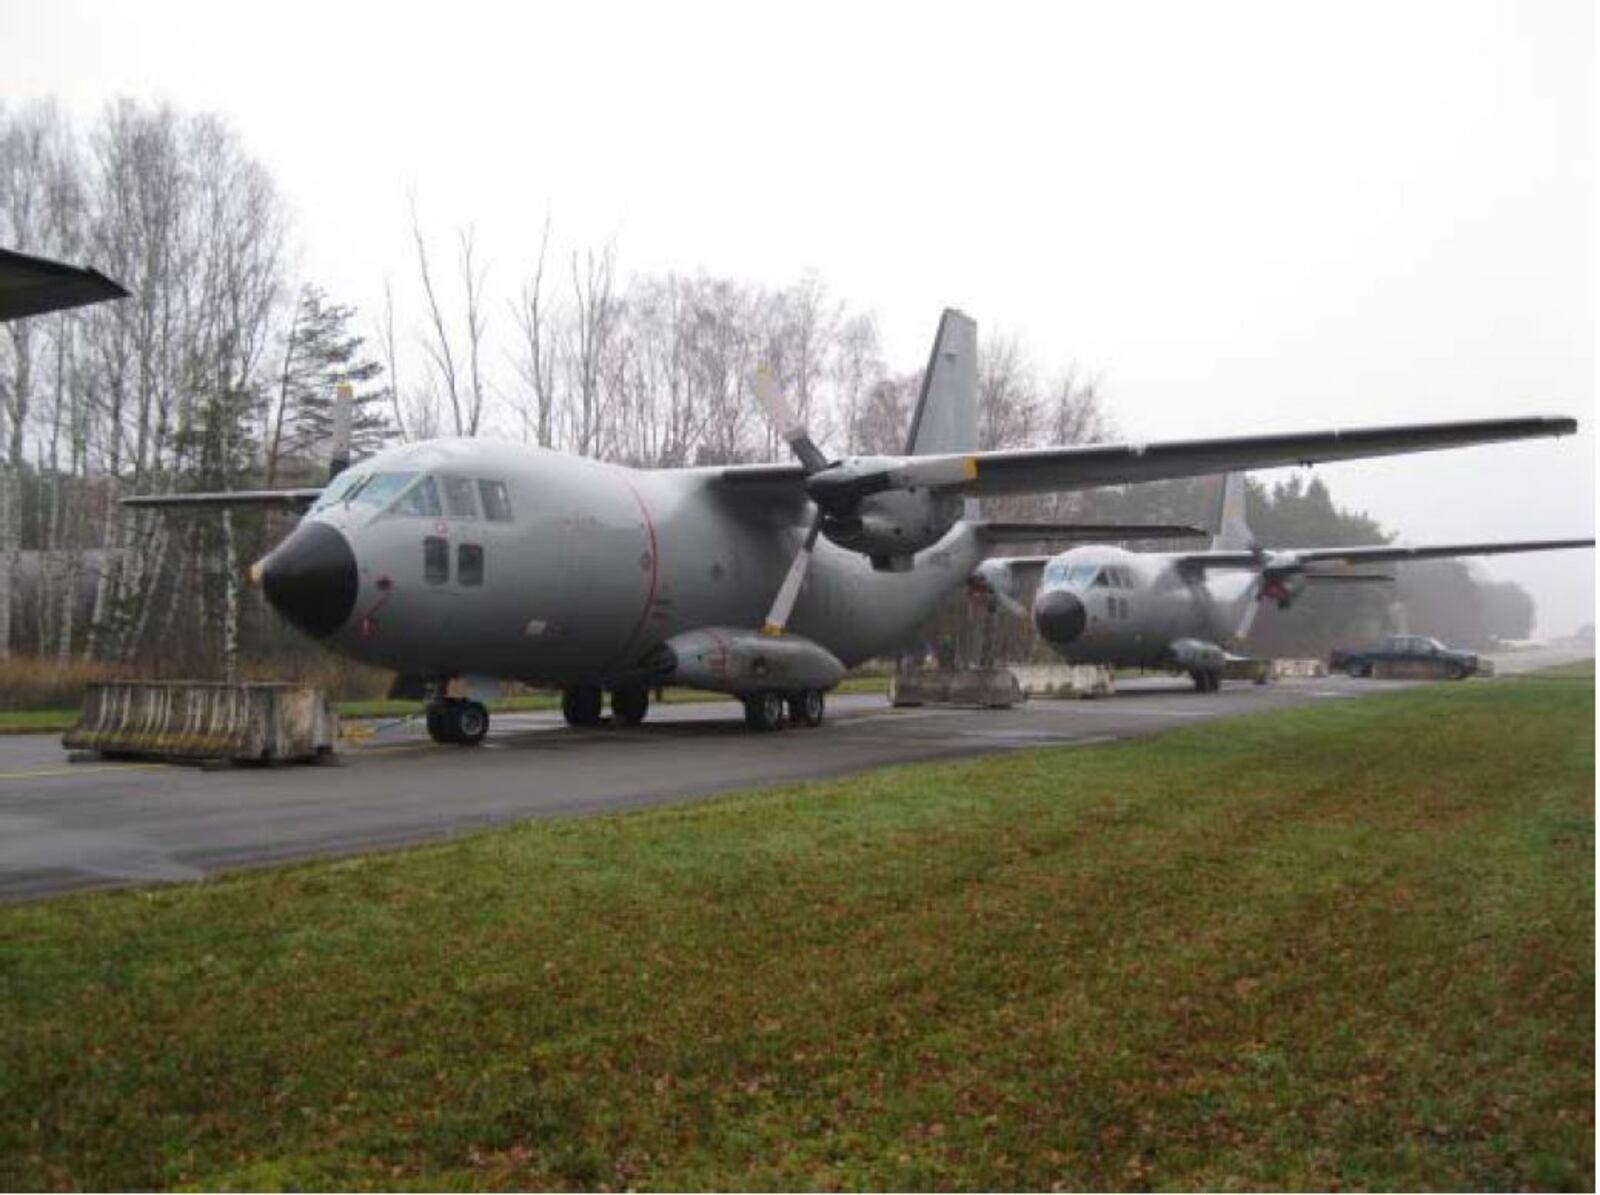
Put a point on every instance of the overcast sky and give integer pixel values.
(1240, 217)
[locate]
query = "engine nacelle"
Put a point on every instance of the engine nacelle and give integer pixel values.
(894, 524)
(743, 662)
(1196, 655)
(1282, 587)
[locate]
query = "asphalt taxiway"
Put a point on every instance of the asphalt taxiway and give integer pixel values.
(66, 825)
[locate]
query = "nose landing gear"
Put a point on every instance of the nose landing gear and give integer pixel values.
(452, 720)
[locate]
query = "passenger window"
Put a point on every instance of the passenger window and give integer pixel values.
(469, 564)
(459, 500)
(496, 502)
(421, 500)
(436, 560)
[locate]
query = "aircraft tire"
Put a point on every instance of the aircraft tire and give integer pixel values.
(463, 723)
(439, 724)
(471, 722)
(1356, 670)
(581, 705)
(765, 711)
(807, 707)
(630, 705)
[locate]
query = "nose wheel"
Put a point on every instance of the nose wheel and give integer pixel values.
(463, 723)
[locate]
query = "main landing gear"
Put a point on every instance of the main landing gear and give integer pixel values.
(584, 705)
(1206, 680)
(773, 709)
(453, 720)
(766, 711)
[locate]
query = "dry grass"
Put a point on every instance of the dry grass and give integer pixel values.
(47, 683)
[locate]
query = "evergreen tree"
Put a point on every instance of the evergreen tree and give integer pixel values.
(320, 354)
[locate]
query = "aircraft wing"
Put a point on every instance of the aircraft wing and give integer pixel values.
(1385, 553)
(293, 499)
(36, 285)
(841, 485)
(1083, 533)
(1313, 560)
(1029, 470)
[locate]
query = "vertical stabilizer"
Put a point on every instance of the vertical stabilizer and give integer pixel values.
(1233, 533)
(946, 418)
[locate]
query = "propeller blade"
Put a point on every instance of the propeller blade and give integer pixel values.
(789, 591)
(339, 453)
(1251, 608)
(788, 424)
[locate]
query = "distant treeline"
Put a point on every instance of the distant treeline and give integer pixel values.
(219, 370)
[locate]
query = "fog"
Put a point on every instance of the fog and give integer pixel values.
(1240, 217)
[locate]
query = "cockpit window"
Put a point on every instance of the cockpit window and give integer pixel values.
(339, 489)
(379, 489)
(1077, 576)
(496, 502)
(420, 501)
(460, 498)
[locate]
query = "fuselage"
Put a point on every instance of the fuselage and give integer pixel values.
(1134, 606)
(477, 557)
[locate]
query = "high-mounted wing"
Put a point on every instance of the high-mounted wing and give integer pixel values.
(286, 499)
(843, 484)
(1083, 533)
(1386, 553)
(37, 285)
(1309, 559)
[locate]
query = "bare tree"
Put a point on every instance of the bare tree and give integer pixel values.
(536, 362)
(588, 338)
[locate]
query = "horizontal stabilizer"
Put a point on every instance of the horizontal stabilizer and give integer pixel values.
(287, 499)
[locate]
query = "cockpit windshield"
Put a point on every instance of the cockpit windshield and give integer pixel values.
(378, 489)
(1062, 575)
(339, 487)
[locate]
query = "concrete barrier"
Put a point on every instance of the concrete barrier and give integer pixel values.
(1065, 680)
(1258, 670)
(986, 688)
(1298, 669)
(205, 720)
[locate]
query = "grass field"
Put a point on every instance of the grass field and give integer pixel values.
(1348, 945)
(55, 721)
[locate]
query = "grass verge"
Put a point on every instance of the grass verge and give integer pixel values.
(1347, 945)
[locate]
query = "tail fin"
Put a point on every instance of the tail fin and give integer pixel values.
(946, 419)
(1233, 533)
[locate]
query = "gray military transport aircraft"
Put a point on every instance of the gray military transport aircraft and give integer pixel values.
(456, 558)
(1186, 611)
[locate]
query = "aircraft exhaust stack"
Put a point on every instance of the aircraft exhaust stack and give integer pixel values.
(743, 662)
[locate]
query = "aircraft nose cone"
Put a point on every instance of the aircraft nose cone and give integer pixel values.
(311, 580)
(1059, 615)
